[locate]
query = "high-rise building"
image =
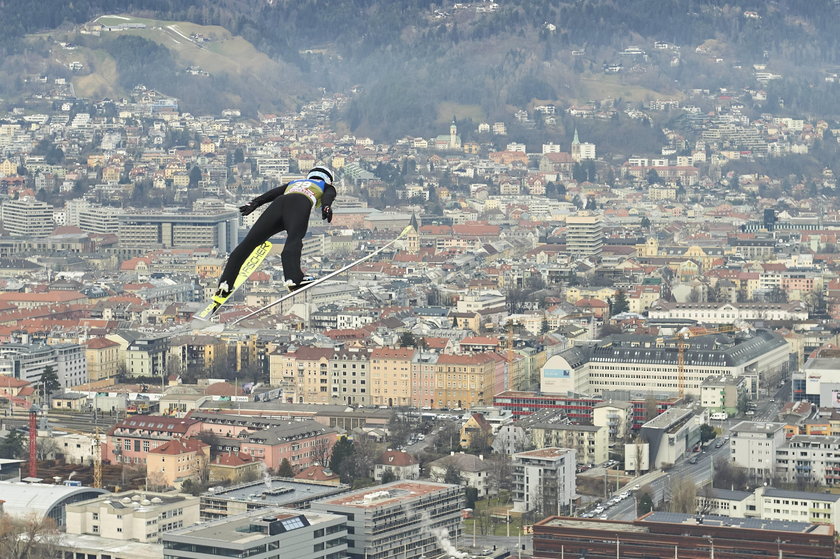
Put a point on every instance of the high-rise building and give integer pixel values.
(584, 235)
(544, 480)
(405, 519)
(98, 220)
(173, 230)
(27, 218)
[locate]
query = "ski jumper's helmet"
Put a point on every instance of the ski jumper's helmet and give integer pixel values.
(321, 173)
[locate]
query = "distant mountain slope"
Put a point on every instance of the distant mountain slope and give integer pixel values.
(412, 57)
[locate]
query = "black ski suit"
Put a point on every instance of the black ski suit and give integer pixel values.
(287, 212)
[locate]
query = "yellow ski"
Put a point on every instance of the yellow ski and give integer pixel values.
(248, 267)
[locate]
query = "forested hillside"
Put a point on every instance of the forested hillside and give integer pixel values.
(417, 62)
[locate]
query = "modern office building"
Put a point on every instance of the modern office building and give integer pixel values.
(405, 519)
(141, 516)
(29, 361)
(665, 535)
(41, 500)
(272, 533)
(544, 480)
(672, 434)
(150, 230)
(637, 362)
(27, 218)
(99, 220)
(584, 235)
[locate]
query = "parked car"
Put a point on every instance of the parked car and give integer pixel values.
(692, 460)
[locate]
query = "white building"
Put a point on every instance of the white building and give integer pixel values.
(473, 469)
(405, 519)
(721, 393)
(769, 503)
(27, 218)
(267, 532)
(809, 459)
(141, 516)
(753, 445)
(71, 363)
(584, 235)
(652, 363)
(729, 313)
(544, 480)
(822, 381)
(671, 434)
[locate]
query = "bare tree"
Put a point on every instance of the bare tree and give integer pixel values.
(321, 450)
(683, 495)
(32, 537)
(500, 472)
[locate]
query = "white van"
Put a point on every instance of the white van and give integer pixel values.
(720, 416)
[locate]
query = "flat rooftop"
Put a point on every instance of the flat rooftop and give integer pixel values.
(229, 530)
(388, 494)
(734, 522)
(668, 418)
(757, 427)
(593, 524)
(551, 452)
(278, 492)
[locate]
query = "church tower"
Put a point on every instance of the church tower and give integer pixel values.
(412, 238)
(454, 141)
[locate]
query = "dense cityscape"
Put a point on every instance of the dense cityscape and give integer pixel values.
(562, 342)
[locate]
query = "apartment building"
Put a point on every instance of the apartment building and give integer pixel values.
(130, 440)
(142, 516)
(405, 519)
(590, 442)
(423, 381)
(753, 446)
(390, 376)
(720, 393)
(350, 376)
(303, 373)
(102, 357)
(266, 533)
(616, 416)
(584, 235)
(809, 459)
(176, 461)
(465, 381)
(146, 356)
(303, 443)
(544, 480)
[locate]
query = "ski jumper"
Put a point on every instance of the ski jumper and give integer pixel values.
(289, 211)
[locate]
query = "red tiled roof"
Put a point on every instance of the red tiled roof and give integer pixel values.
(396, 458)
(100, 343)
(234, 459)
(317, 473)
(307, 353)
(179, 446)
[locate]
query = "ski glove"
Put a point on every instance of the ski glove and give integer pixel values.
(326, 213)
(248, 208)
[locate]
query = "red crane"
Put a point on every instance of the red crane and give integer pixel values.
(33, 441)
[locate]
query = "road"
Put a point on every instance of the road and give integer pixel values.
(701, 472)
